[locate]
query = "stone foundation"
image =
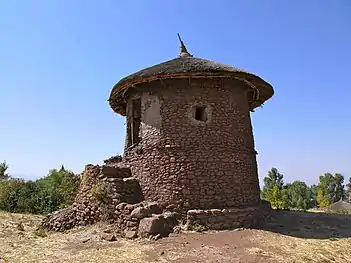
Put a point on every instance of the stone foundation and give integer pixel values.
(220, 219)
(109, 193)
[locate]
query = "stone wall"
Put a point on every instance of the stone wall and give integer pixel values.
(194, 164)
(102, 188)
(220, 219)
(109, 194)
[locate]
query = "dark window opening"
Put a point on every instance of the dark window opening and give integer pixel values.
(200, 114)
(134, 123)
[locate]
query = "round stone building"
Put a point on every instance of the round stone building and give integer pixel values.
(189, 138)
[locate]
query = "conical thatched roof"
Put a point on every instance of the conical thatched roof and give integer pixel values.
(340, 205)
(187, 66)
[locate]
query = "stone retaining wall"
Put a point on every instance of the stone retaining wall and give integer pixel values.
(220, 219)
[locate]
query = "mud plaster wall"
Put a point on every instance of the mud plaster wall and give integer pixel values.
(192, 164)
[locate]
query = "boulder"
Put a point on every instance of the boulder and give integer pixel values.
(109, 171)
(140, 212)
(131, 207)
(130, 233)
(151, 226)
(84, 238)
(154, 208)
(171, 219)
(121, 206)
(108, 237)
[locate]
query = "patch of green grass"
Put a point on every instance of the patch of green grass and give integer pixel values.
(40, 232)
(198, 228)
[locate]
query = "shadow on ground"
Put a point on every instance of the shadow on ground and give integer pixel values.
(308, 225)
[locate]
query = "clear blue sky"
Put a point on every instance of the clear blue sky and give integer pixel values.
(60, 59)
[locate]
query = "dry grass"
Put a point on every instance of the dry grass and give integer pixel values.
(305, 237)
(19, 242)
(300, 250)
(75, 246)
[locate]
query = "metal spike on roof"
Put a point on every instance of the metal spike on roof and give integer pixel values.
(183, 51)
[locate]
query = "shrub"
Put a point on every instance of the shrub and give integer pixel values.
(40, 232)
(99, 191)
(57, 190)
(9, 190)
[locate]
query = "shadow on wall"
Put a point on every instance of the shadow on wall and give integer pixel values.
(308, 225)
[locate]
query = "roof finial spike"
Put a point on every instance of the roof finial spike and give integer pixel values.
(183, 51)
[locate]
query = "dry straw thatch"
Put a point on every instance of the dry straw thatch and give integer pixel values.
(341, 205)
(187, 66)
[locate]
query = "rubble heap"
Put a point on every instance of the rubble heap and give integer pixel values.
(110, 194)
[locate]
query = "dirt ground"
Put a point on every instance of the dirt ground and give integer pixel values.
(287, 237)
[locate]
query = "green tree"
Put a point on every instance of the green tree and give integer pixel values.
(313, 192)
(339, 192)
(9, 193)
(275, 197)
(300, 195)
(325, 190)
(322, 199)
(286, 199)
(58, 189)
(28, 198)
(296, 195)
(69, 186)
(3, 168)
(274, 178)
(330, 189)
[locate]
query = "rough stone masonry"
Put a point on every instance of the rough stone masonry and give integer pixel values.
(189, 156)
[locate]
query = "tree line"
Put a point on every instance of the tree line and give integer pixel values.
(45, 195)
(59, 188)
(298, 195)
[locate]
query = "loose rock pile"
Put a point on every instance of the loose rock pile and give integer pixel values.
(109, 193)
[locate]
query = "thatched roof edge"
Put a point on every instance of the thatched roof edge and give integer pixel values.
(187, 67)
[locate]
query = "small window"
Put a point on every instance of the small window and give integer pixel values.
(134, 123)
(200, 114)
